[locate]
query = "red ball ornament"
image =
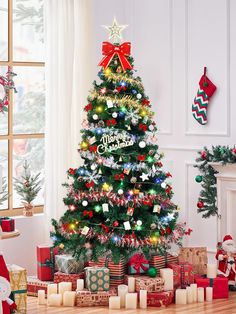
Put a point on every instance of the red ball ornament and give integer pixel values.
(234, 151)
(203, 155)
(200, 204)
(168, 230)
(115, 223)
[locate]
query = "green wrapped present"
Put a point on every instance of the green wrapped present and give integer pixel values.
(97, 278)
(68, 264)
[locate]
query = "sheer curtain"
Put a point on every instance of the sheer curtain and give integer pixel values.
(68, 79)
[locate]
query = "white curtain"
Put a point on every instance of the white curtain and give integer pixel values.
(68, 79)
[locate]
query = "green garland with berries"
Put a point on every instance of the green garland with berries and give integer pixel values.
(207, 202)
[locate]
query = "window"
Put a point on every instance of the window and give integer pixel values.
(22, 128)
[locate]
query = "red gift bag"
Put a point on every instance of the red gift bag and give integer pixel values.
(219, 284)
(46, 262)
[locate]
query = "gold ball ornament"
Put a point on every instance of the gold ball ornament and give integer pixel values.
(61, 246)
(106, 187)
(136, 191)
(99, 109)
(84, 145)
(143, 113)
(107, 71)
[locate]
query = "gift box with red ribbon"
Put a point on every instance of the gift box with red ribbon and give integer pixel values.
(187, 274)
(62, 277)
(219, 284)
(34, 285)
(158, 299)
(46, 262)
(7, 224)
(138, 264)
(177, 274)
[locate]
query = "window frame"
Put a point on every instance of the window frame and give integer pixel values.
(10, 137)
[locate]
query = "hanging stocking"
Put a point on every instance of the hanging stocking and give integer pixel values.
(205, 91)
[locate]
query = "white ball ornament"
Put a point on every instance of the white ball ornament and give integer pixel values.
(95, 117)
(93, 166)
(139, 223)
(114, 115)
(120, 191)
(84, 203)
(142, 144)
(139, 96)
(163, 185)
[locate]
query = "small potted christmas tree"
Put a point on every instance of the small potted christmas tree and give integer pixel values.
(28, 187)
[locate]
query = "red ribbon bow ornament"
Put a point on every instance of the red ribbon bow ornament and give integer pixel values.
(109, 51)
(138, 262)
(143, 127)
(88, 213)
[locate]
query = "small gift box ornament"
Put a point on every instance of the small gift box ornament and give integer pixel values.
(138, 264)
(7, 224)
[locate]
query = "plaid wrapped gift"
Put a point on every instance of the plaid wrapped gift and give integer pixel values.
(34, 285)
(160, 261)
(68, 264)
(147, 283)
(62, 277)
(46, 262)
(187, 274)
(7, 224)
(18, 281)
(97, 278)
(158, 299)
(196, 256)
(219, 284)
(177, 274)
(138, 264)
(88, 298)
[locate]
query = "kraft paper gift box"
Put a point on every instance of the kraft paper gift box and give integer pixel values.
(62, 277)
(177, 274)
(18, 282)
(147, 283)
(219, 284)
(97, 278)
(88, 298)
(159, 299)
(7, 224)
(46, 262)
(34, 285)
(68, 264)
(187, 274)
(196, 256)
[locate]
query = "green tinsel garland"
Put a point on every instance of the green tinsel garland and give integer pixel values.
(207, 202)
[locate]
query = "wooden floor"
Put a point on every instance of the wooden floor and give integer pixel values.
(217, 306)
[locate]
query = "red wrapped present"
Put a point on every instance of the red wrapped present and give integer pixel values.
(177, 274)
(46, 262)
(157, 299)
(88, 298)
(34, 285)
(187, 274)
(138, 264)
(7, 224)
(62, 277)
(219, 284)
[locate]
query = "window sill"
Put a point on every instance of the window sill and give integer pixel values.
(18, 212)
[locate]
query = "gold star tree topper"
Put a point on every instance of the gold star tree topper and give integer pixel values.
(115, 31)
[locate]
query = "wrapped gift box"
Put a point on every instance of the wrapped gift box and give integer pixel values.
(62, 277)
(160, 261)
(88, 298)
(147, 283)
(196, 256)
(18, 281)
(46, 262)
(177, 274)
(7, 224)
(219, 284)
(68, 264)
(138, 264)
(158, 299)
(97, 278)
(34, 285)
(187, 274)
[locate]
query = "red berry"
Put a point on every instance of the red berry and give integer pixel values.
(200, 204)
(203, 155)
(115, 223)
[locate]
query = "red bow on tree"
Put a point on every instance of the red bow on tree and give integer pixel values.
(105, 228)
(109, 51)
(145, 102)
(88, 213)
(88, 107)
(189, 231)
(119, 176)
(147, 203)
(141, 157)
(143, 127)
(111, 122)
(89, 184)
(93, 148)
(72, 171)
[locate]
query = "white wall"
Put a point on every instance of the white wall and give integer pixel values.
(172, 40)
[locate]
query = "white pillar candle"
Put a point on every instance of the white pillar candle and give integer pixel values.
(211, 270)
(200, 294)
(64, 286)
(114, 303)
(194, 289)
(55, 300)
(209, 294)
(52, 289)
(69, 298)
(122, 291)
(168, 275)
(143, 299)
(131, 284)
(80, 285)
(181, 296)
(131, 301)
(41, 297)
(189, 295)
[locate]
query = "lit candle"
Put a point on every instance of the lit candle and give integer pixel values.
(64, 286)
(52, 289)
(209, 294)
(131, 284)
(194, 288)
(41, 297)
(180, 296)
(168, 275)
(80, 284)
(131, 301)
(55, 300)
(122, 291)
(211, 270)
(69, 298)
(114, 303)
(143, 299)
(200, 294)
(189, 295)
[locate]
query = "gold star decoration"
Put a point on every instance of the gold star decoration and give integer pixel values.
(115, 31)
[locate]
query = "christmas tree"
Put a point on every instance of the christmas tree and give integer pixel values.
(119, 201)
